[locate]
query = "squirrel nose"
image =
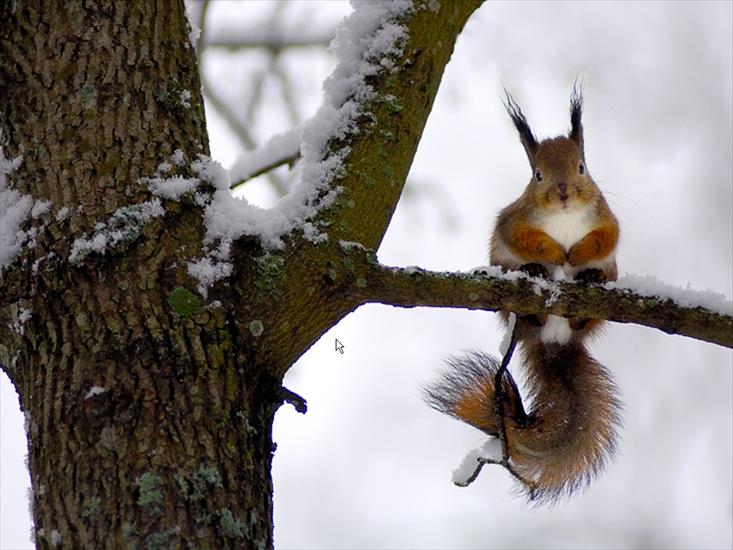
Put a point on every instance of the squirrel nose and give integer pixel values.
(563, 187)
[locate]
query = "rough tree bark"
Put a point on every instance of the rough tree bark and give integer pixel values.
(149, 409)
(173, 446)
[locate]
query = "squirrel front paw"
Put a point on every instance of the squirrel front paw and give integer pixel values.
(535, 270)
(591, 275)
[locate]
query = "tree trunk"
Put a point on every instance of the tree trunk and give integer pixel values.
(149, 408)
(148, 426)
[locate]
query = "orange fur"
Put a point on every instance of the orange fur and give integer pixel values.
(534, 245)
(597, 244)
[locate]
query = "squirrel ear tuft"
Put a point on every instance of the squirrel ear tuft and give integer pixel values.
(576, 112)
(520, 122)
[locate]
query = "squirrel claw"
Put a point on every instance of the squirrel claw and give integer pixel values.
(591, 275)
(535, 270)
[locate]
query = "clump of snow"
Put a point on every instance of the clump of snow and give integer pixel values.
(648, 285)
(207, 271)
(17, 325)
(277, 149)
(172, 188)
(349, 245)
(185, 99)
(178, 157)
(55, 538)
(14, 211)
(62, 214)
(123, 226)
(40, 207)
(490, 451)
(504, 346)
(95, 390)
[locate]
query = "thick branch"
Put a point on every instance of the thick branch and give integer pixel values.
(374, 282)
(389, 130)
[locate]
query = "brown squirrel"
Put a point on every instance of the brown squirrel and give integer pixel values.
(560, 227)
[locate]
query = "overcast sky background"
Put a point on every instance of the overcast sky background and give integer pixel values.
(369, 465)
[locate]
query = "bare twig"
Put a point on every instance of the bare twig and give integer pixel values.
(298, 402)
(499, 396)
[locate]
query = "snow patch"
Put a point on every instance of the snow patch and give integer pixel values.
(17, 325)
(14, 211)
(207, 271)
(350, 245)
(39, 208)
(172, 188)
(648, 285)
(185, 99)
(489, 451)
(62, 214)
(178, 157)
(124, 225)
(95, 390)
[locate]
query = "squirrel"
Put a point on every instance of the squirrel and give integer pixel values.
(560, 227)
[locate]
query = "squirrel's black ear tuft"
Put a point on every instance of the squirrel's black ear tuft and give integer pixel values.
(520, 122)
(576, 113)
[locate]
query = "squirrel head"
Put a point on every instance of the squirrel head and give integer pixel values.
(560, 178)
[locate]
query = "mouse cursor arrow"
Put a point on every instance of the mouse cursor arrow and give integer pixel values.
(339, 347)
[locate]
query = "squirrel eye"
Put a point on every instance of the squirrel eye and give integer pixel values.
(581, 168)
(538, 175)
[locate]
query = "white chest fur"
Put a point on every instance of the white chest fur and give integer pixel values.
(568, 227)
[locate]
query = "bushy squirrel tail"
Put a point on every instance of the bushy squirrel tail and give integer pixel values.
(569, 434)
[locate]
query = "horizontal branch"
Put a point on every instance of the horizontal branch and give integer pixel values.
(411, 287)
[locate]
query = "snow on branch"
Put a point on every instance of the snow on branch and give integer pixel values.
(704, 315)
(15, 210)
(365, 46)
